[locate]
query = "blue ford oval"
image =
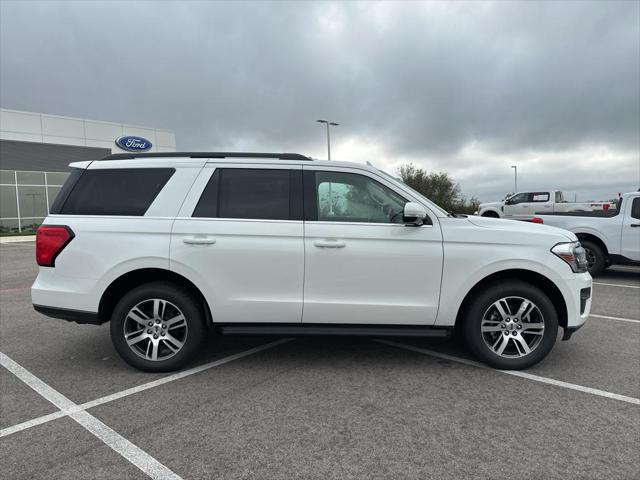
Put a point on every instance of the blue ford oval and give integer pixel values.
(133, 144)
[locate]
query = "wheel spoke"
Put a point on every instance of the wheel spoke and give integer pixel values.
(137, 315)
(153, 346)
(521, 345)
(524, 310)
(173, 343)
(491, 328)
(532, 326)
(503, 308)
(175, 322)
(501, 344)
(135, 337)
(158, 308)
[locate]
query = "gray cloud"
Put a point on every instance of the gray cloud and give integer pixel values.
(424, 82)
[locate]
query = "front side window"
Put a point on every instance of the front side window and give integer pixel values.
(559, 197)
(349, 197)
(247, 193)
(519, 198)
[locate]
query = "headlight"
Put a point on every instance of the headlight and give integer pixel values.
(573, 254)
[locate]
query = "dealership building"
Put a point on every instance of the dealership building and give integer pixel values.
(36, 149)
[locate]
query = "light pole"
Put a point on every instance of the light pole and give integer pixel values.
(515, 171)
(328, 123)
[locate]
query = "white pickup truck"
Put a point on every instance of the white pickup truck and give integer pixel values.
(609, 237)
(524, 205)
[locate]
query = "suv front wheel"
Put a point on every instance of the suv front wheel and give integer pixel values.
(157, 327)
(511, 325)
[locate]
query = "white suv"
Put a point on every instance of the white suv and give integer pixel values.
(166, 246)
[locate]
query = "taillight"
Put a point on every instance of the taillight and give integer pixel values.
(537, 220)
(605, 206)
(50, 240)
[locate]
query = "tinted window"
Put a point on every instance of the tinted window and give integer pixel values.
(68, 185)
(348, 197)
(635, 208)
(261, 194)
(127, 191)
(519, 198)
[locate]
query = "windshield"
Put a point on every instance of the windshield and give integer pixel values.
(415, 192)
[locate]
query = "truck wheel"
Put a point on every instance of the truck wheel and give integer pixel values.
(157, 327)
(511, 325)
(491, 214)
(596, 258)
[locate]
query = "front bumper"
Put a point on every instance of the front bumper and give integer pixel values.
(577, 292)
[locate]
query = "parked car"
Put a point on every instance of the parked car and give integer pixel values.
(165, 246)
(609, 237)
(524, 205)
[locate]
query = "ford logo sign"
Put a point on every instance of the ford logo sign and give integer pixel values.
(133, 144)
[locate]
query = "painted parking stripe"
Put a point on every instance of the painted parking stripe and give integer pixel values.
(616, 285)
(138, 457)
(515, 373)
(140, 388)
(614, 318)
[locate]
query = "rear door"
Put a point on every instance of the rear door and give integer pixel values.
(363, 265)
(240, 237)
(630, 247)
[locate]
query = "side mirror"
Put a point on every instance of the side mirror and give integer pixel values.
(413, 214)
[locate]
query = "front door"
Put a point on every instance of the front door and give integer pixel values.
(240, 236)
(362, 264)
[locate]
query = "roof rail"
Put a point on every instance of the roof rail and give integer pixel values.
(281, 156)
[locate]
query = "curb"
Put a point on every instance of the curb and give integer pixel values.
(18, 239)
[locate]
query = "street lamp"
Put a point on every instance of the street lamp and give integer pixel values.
(328, 123)
(515, 171)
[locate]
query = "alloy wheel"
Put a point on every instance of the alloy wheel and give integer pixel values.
(512, 327)
(155, 329)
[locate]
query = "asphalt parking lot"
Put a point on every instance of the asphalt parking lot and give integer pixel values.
(256, 407)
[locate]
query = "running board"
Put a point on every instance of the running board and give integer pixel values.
(357, 330)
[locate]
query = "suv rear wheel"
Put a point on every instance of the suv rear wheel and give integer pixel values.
(511, 325)
(157, 327)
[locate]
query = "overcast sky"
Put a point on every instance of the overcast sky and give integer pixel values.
(466, 88)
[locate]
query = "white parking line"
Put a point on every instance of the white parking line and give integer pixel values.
(614, 318)
(130, 391)
(616, 285)
(138, 457)
(515, 373)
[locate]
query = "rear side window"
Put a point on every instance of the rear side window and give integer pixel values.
(125, 191)
(247, 193)
(635, 208)
(540, 197)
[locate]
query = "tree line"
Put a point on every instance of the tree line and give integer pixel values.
(438, 187)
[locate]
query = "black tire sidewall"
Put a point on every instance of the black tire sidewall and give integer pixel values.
(483, 300)
(601, 261)
(175, 294)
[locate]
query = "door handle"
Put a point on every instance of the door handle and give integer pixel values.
(199, 240)
(635, 224)
(329, 243)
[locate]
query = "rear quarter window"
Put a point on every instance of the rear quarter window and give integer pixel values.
(122, 191)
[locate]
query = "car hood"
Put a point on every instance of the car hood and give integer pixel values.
(522, 227)
(490, 204)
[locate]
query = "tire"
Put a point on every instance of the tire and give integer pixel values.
(491, 214)
(596, 258)
(175, 335)
(483, 314)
